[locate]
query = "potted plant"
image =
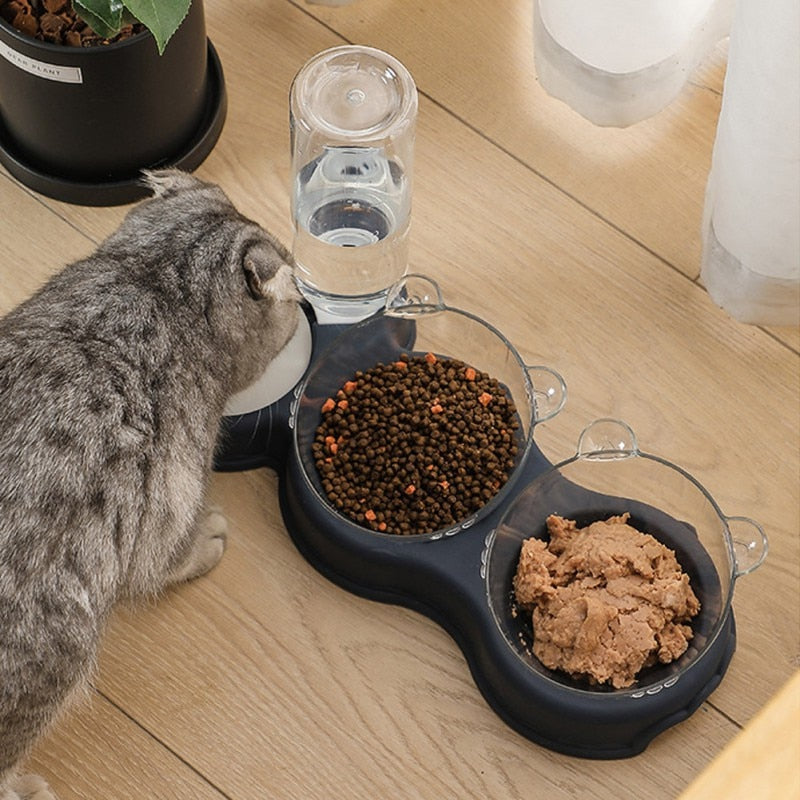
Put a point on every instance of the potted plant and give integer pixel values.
(79, 123)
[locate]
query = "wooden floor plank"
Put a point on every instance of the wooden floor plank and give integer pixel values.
(96, 752)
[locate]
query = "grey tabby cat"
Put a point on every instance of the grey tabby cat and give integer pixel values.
(113, 378)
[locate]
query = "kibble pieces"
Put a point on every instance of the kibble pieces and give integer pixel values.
(416, 445)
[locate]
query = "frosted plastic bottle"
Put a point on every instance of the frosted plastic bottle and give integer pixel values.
(617, 62)
(751, 222)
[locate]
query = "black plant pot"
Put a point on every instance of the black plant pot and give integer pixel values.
(79, 124)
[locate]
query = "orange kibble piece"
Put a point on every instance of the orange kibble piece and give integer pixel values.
(370, 515)
(430, 358)
(350, 387)
(401, 364)
(333, 447)
(470, 374)
(485, 399)
(381, 526)
(445, 485)
(328, 405)
(342, 404)
(436, 408)
(329, 440)
(410, 489)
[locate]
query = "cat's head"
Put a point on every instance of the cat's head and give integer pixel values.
(241, 272)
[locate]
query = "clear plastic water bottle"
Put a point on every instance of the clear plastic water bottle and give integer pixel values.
(352, 113)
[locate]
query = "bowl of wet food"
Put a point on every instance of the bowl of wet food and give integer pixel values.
(610, 579)
(415, 422)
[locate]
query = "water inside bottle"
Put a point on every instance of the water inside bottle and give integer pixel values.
(351, 211)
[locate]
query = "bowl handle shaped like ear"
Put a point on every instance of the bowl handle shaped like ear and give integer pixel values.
(414, 294)
(549, 392)
(749, 544)
(607, 438)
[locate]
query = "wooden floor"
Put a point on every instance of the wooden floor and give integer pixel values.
(582, 244)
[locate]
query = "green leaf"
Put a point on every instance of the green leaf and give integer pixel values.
(104, 17)
(161, 17)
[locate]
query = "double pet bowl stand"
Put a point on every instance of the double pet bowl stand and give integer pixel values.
(462, 580)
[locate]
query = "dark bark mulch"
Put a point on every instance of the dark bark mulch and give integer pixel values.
(55, 21)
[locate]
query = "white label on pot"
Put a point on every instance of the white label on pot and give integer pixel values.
(53, 72)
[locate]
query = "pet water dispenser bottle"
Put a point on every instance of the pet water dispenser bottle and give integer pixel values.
(352, 116)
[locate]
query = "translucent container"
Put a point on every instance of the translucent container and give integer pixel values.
(617, 62)
(751, 219)
(416, 320)
(352, 116)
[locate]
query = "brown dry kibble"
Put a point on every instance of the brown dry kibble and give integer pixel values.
(415, 466)
(606, 600)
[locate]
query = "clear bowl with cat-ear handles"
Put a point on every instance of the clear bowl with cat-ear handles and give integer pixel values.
(609, 476)
(417, 320)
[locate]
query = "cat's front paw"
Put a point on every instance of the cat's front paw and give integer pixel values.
(210, 539)
(28, 787)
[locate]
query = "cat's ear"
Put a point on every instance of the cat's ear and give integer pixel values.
(268, 275)
(163, 181)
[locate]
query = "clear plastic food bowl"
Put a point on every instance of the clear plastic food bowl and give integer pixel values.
(416, 320)
(608, 476)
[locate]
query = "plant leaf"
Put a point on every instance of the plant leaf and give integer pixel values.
(104, 17)
(162, 17)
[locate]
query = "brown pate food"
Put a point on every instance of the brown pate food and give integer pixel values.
(606, 600)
